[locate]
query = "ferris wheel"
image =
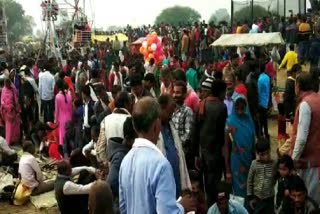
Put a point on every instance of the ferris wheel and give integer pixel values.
(76, 31)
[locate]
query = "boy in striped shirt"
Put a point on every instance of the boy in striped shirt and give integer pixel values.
(260, 185)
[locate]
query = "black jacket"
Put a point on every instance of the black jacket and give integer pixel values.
(116, 152)
(208, 132)
(289, 98)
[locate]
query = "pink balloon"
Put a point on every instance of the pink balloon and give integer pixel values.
(159, 45)
(157, 53)
(160, 59)
(155, 39)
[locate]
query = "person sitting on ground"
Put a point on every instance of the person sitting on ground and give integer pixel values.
(30, 172)
(100, 199)
(224, 204)
(298, 200)
(73, 197)
(69, 142)
(198, 194)
(7, 155)
(89, 150)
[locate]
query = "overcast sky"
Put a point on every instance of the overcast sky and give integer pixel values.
(123, 12)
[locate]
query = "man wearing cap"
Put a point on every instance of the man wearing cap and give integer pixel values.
(208, 138)
(224, 204)
(205, 90)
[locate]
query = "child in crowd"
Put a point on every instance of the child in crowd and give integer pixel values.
(260, 185)
(197, 193)
(49, 141)
(285, 171)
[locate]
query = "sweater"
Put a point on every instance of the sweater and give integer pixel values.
(261, 180)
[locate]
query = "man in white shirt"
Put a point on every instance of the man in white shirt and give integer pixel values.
(46, 91)
(30, 171)
(112, 125)
(305, 139)
(73, 197)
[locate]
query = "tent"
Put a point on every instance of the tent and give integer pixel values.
(135, 46)
(103, 38)
(241, 40)
(138, 41)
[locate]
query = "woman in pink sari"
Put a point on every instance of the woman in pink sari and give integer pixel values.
(10, 111)
(63, 108)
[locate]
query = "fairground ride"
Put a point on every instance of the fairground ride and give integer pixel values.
(66, 27)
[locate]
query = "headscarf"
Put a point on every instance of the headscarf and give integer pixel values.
(244, 120)
(68, 81)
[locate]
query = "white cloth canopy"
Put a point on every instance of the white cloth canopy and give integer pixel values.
(241, 40)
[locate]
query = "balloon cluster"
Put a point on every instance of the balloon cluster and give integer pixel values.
(152, 49)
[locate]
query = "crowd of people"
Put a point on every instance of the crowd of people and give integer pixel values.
(188, 134)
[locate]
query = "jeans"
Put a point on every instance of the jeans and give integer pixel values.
(48, 110)
(303, 51)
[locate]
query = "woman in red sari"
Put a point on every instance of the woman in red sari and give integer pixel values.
(10, 111)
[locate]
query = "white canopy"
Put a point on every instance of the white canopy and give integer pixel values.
(256, 39)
